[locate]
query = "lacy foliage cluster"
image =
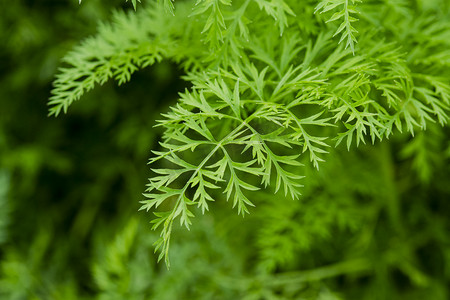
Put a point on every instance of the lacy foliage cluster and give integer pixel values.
(274, 86)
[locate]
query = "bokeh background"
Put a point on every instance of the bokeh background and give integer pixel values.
(373, 223)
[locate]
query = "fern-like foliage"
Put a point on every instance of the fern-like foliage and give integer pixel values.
(260, 131)
(345, 10)
(118, 51)
(101, 58)
(266, 98)
(279, 10)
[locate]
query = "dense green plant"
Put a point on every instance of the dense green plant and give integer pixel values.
(265, 96)
(330, 117)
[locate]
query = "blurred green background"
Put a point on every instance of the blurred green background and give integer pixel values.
(70, 189)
